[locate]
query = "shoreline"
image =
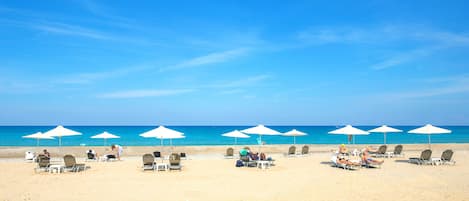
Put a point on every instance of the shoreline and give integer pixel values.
(79, 151)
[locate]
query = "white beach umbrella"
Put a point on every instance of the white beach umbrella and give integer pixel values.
(59, 132)
(429, 130)
(105, 135)
(350, 131)
(261, 130)
(235, 134)
(162, 133)
(38, 136)
(384, 129)
(294, 133)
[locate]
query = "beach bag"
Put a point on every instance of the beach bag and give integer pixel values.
(239, 163)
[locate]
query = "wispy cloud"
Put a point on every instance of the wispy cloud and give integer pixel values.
(425, 41)
(66, 29)
(404, 57)
(212, 58)
(441, 86)
(243, 82)
(87, 78)
(143, 93)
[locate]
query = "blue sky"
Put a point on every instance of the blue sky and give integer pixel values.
(234, 62)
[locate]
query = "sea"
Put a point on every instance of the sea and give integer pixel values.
(211, 135)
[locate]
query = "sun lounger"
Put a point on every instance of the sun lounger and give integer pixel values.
(29, 156)
(229, 153)
(91, 156)
(291, 151)
(247, 161)
(381, 151)
(72, 165)
(175, 162)
(334, 163)
(396, 153)
(425, 158)
(183, 155)
(305, 150)
(148, 162)
(447, 157)
(43, 163)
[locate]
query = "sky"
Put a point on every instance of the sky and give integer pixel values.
(234, 62)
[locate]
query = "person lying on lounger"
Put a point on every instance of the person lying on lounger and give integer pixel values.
(342, 160)
(366, 158)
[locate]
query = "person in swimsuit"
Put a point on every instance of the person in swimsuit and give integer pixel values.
(366, 158)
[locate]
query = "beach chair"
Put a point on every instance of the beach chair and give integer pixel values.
(229, 153)
(425, 158)
(183, 155)
(247, 161)
(90, 156)
(446, 157)
(148, 162)
(334, 163)
(305, 150)
(291, 151)
(43, 163)
(381, 151)
(157, 154)
(29, 156)
(72, 165)
(175, 162)
(396, 153)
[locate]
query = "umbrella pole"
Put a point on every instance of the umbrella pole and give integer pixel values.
(37, 142)
(385, 138)
(236, 140)
(294, 139)
(429, 142)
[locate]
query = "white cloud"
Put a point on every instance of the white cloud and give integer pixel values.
(87, 78)
(66, 29)
(247, 81)
(217, 57)
(404, 57)
(142, 93)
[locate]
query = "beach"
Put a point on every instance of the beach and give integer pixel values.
(206, 175)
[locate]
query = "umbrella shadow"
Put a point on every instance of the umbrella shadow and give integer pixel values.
(401, 161)
(326, 163)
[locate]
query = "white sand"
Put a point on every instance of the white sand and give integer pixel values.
(206, 176)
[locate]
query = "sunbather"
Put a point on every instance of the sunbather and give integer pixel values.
(343, 149)
(46, 153)
(92, 154)
(342, 160)
(366, 158)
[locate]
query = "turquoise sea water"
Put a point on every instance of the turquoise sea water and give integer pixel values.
(211, 135)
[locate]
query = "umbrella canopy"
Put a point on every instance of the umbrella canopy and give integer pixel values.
(350, 131)
(384, 129)
(294, 133)
(163, 133)
(60, 131)
(235, 134)
(429, 130)
(260, 130)
(105, 135)
(38, 136)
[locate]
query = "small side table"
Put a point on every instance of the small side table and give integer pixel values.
(56, 168)
(162, 166)
(263, 164)
(436, 161)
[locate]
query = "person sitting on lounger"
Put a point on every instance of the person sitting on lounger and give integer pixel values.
(46, 153)
(244, 151)
(92, 154)
(254, 156)
(366, 158)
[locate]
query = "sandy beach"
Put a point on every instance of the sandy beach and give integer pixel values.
(207, 176)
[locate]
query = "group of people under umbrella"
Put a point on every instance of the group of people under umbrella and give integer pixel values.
(162, 132)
